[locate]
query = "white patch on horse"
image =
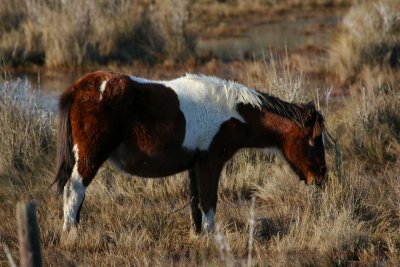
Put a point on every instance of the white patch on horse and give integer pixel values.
(323, 138)
(102, 88)
(208, 220)
(74, 191)
(272, 151)
(235, 93)
(206, 103)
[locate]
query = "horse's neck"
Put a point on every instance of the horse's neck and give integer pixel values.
(266, 128)
(279, 123)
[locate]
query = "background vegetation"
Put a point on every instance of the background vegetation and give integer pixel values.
(133, 221)
(77, 32)
(367, 45)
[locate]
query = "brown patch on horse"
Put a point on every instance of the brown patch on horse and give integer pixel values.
(152, 146)
(82, 97)
(302, 115)
(158, 119)
(65, 156)
(141, 123)
(98, 119)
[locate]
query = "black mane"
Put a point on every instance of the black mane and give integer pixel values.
(291, 111)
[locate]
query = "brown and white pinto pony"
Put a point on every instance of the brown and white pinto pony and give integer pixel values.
(159, 128)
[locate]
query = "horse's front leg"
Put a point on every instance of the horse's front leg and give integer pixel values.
(194, 201)
(208, 172)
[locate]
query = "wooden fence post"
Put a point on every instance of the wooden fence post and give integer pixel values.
(28, 235)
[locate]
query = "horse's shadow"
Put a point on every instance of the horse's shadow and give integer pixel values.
(266, 228)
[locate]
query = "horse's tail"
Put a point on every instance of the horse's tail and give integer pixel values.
(65, 156)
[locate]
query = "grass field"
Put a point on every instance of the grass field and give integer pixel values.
(131, 221)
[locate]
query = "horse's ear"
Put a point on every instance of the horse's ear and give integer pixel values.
(310, 105)
(310, 115)
(314, 119)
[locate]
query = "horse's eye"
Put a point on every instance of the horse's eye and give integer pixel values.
(311, 142)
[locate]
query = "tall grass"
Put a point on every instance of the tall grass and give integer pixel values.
(133, 221)
(26, 134)
(376, 126)
(233, 7)
(368, 44)
(72, 33)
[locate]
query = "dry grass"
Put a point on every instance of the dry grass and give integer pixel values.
(368, 44)
(130, 221)
(375, 120)
(134, 221)
(74, 33)
(82, 33)
(26, 134)
(294, 3)
(234, 7)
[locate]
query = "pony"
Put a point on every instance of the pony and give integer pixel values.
(154, 128)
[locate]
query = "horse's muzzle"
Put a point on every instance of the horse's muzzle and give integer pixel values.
(319, 180)
(322, 179)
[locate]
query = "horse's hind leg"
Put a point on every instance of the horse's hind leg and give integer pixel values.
(87, 163)
(74, 193)
(91, 150)
(194, 201)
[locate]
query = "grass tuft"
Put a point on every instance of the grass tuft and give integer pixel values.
(26, 133)
(75, 33)
(368, 44)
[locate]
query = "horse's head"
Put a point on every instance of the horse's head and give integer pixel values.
(304, 148)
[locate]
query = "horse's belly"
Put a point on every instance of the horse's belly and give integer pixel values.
(163, 164)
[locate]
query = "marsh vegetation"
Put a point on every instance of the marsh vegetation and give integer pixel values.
(132, 221)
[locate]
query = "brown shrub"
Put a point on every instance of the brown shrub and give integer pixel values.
(72, 33)
(368, 44)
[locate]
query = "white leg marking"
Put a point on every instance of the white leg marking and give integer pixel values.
(74, 191)
(102, 88)
(208, 220)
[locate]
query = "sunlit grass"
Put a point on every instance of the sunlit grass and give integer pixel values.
(75, 33)
(368, 44)
(134, 221)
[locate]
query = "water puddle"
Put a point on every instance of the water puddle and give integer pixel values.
(290, 35)
(47, 88)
